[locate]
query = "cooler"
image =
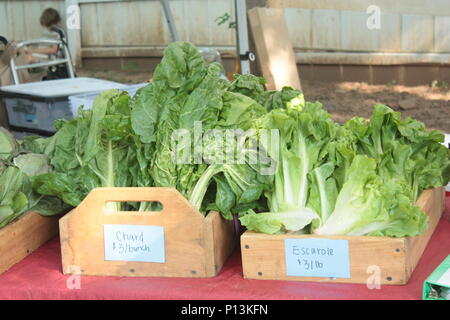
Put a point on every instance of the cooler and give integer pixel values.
(33, 107)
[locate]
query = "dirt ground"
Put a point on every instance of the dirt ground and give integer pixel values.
(344, 100)
(430, 104)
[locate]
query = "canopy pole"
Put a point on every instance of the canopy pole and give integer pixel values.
(168, 14)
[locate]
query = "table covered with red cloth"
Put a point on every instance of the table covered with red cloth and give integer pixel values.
(39, 276)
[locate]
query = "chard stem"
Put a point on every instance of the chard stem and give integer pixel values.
(199, 191)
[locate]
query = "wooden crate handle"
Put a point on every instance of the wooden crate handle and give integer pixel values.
(173, 202)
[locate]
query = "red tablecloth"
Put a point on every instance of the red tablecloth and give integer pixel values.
(39, 277)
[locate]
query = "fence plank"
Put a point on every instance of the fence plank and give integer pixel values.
(390, 33)
(220, 35)
(435, 7)
(417, 33)
(299, 27)
(442, 34)
(16, 26)
(4, 21)
(89, 23)
(326, 29)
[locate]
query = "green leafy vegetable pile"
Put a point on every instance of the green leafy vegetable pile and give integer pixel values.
(360, 178)
(125, 141)
(93, 150)
(17, 166)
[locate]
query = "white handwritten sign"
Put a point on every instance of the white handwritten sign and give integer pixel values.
(317, 258)
(134, 243)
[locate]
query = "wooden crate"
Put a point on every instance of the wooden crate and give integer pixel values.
(194, 245)
(24, 235)
(393, 259)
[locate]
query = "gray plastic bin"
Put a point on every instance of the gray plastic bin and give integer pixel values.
(34, 107)
(86, 100)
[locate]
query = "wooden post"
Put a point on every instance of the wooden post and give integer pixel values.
(274, 51)
(256, 3)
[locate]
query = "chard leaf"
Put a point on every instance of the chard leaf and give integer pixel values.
(32, 164)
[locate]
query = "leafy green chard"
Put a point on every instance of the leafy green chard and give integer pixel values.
(239, 177)
(248, 85)
(274, 99)
(92, 150)
(239, 111)
(32, 164)
(172, 116)
(193, 96)
(253, 87)
(235, 164)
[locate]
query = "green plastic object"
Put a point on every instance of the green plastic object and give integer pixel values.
(437, 285)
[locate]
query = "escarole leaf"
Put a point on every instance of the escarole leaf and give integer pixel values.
(359, 201)
(303, 184)
(368, 206)
(404, 150)
(323, 190)
(278, 222)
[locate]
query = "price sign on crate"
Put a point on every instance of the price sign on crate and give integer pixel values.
(140, 243)
(317, 257)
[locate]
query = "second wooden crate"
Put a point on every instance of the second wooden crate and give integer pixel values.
(178, 241)
(379, 259)
(23, 236)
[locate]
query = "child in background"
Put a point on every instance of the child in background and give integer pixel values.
(51, 21)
